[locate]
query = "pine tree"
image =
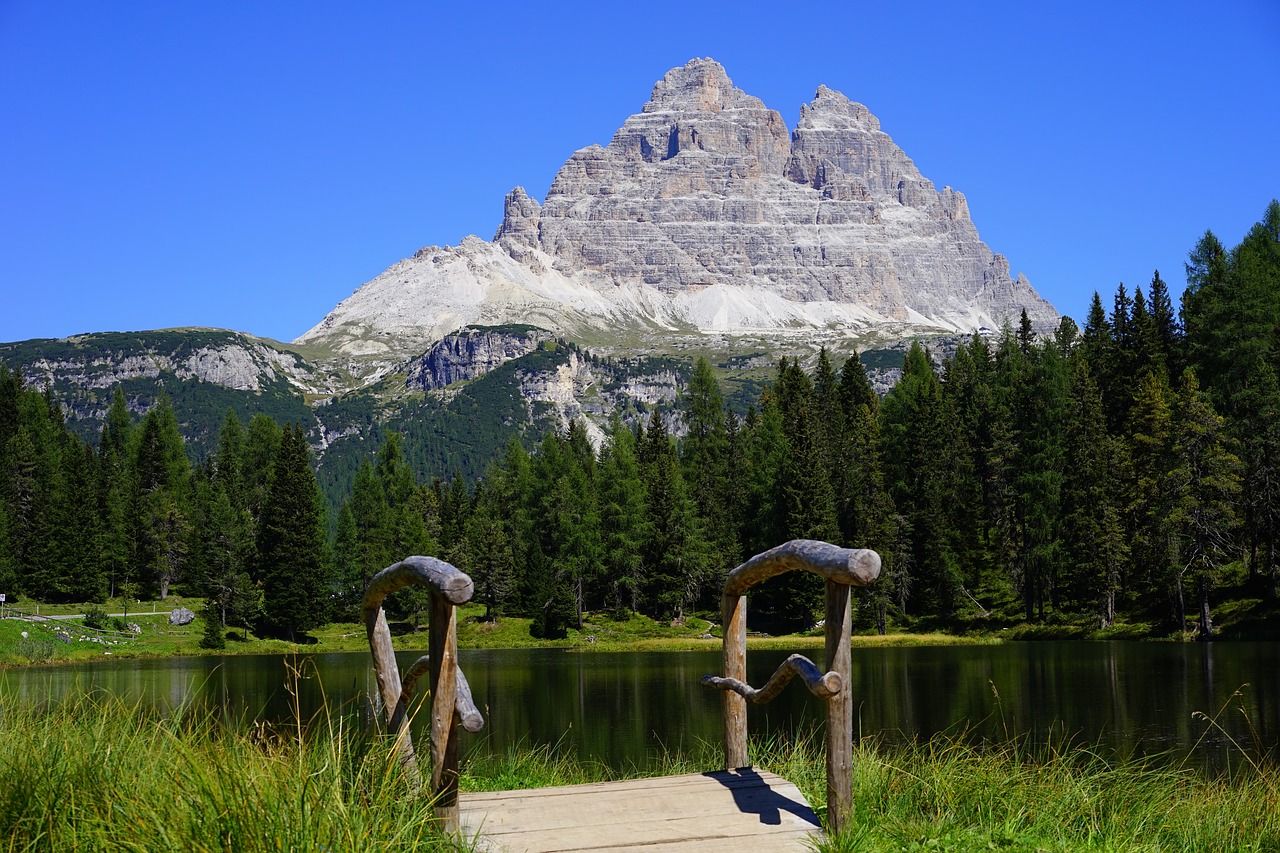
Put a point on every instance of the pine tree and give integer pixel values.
(80, 523)
(291, 541)
(1231, 308)
(675, 553)
(229, 461)
(704, 455)
(1093, 530)
(573, 525)
(161, 461)
(872, 520)
(622, 517)
(347, 570)
(116, 489)
(914, 435)
(764, 522)
(261, 447)
(1203, 482)
(1038, 476)
(968, 397)
(1148, 504)
(371, 517)
(1165, 320)
(31, 480)
(1261, 451)
(490, 558)
(224, 554)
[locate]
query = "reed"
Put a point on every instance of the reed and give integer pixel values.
(96, 774)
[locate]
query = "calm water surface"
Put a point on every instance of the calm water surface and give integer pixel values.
(626, 708)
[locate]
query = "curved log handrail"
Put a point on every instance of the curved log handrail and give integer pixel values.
(464, 705)
(824, 685)
(439, 576)
(451, 702)
(848, 566)
(842, 568)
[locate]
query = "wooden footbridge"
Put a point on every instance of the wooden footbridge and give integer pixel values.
(733, 809)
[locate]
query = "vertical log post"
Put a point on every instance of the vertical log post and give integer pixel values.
(839, 708)
(733, 612)
(842, 568)
(449, 587)
(387, 673)
(444, 695)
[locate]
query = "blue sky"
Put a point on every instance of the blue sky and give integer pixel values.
(248, 165)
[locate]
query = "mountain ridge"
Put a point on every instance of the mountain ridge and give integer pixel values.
(705, 215)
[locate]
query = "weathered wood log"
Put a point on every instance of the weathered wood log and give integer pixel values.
(850, 566)
(839, 628)
(442, 579)
(387, 673)
(444, 699)
(468, 715)
(842, 568)
(451, 700)
(733, 611)
(437, 575)
(824, 685)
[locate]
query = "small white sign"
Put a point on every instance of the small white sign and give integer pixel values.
(1, 596)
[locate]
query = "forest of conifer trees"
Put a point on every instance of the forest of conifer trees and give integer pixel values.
(1126, 470)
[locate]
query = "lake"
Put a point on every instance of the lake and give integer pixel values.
(625, 708)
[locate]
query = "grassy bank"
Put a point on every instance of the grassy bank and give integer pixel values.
(97, 775)
(68, 640)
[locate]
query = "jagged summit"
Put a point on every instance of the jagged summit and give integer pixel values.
(705, 215)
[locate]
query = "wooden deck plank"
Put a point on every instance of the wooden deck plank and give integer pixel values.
(733, 811)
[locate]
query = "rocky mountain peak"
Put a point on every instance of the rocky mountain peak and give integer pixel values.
(834, 109)
(705, 215)
(519, 218)
(697, 109)
(700, 85)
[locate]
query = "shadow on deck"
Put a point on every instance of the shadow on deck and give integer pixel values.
(728, 810)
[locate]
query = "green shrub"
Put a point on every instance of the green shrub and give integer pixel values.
(95, 616)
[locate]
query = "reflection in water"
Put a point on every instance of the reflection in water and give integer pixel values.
(627, 709)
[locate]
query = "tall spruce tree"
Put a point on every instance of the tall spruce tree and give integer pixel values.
(1093, 532)
(704, 453)
(1261, 451)
(1148, 503)
(675, 552)
(291, 541)
(622, 518)
(914, 436)
(491, 557)
(1204, 482)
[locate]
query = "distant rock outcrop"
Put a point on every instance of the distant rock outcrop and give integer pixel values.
(470, 354)
(704, 215)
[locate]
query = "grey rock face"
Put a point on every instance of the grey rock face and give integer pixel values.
(181, 616)
(238, 362)
(704, 214)
(469, 355)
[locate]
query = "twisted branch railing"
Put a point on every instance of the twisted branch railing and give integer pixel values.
(451, 703)
(842, 568)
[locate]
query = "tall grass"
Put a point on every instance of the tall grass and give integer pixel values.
(950, 795)
(94, 774)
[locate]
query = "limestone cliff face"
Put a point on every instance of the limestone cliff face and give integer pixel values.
(704, 215)
(570, 386)
(469, 355)
(228, 359)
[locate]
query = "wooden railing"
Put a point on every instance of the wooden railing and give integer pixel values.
(842, 568)
(451, 703)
